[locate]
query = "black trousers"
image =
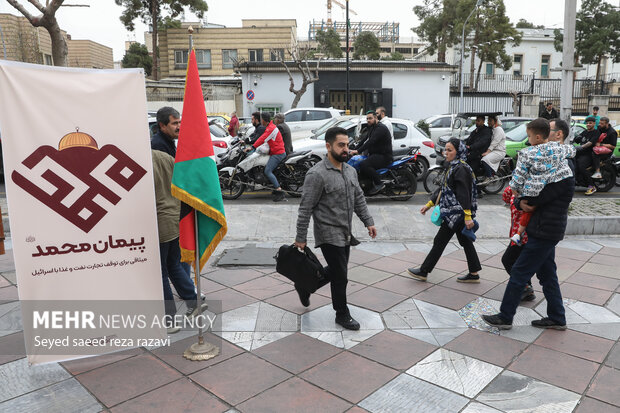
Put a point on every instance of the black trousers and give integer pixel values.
(444, 235)
(510, 257)
(369, 167)
(596, 160)
(583, 162)
(337, 265)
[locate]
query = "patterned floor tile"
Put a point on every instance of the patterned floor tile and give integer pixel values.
(230, 299)
(512, 392)
(422, 334)
(610, 331)
(230, 278)
(388, 264)
(473, 288)
(446, 335)
(585, 294)
(404, 316)
(264, 287)
(556, 368)
(613, 360)
(571, 316)
(252, 340)
(461, 374)
(10, 318)
(322, 319)
(68, 396)
(594, 313)
(589, 405)
(594, 281)
(181, 395)
(614, 304)
(82, 365)
(526, 334)
(345, 339)
(602, 270)
(394, 350)
(475, 407)
(375, 299)
(472, 314)
(350, 376)
(19, 378)
(12, 347)
(409, 394)
(577, 344)
(403, 285)
(487, 347)
(358, 256)
(412, 257)
(439, 317)
(381, 248)
(446, 297)
(290, 302)
(605, 386)
(295, 395)
(366, 275)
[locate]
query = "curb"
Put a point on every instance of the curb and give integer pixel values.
(596, 225)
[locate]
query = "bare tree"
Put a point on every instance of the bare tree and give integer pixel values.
(299, 56)
(47, 19)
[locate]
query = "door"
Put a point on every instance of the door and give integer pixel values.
(402, 139)
(439, 127)
(338, 99)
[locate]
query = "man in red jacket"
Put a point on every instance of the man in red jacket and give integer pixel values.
(276, 152)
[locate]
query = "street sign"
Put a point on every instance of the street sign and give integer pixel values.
(250, 95)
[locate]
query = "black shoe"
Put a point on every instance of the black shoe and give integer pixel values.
(528, 294)
(376, 189)
(417, 273)
(348, 322)
(497, 321)
(279, 196)
(304, 297)
(546, 322)
(469, 278)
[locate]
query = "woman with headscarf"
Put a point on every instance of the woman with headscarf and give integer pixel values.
(457, 204)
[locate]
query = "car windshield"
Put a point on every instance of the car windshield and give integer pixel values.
(217, 131)
(517, 134)
(321, 131)
(341, 124)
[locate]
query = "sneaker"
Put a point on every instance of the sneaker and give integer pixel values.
(546, 322)
(591, 190)
(496, 320)
(417, 273)
(279, 196)
(304, 297)
(193, 311)
(516, 238)
(469, 278)
(376, 189)
(348, 322)
(528, 294)
(597, 175)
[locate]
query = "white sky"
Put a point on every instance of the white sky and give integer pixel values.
(100, 22)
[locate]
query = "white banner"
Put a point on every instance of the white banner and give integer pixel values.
(79, 184)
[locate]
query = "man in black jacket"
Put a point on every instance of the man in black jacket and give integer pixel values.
(285, 131)
(169, 122)
(259, 129)
(549, 112)
(477, 143)
(587, 139)
(545, 230)
(379, 146)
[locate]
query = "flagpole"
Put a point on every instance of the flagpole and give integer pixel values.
(198, 351)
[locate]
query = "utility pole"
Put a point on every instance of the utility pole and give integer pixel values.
(348, 97)
(462, 53)
(568, 60)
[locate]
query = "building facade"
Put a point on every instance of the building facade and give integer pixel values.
(89, 54)
(218, 49)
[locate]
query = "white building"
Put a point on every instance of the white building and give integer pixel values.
(408, 90)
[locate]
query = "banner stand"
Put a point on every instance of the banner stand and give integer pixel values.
(202, 350)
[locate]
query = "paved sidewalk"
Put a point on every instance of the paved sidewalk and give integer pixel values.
(422, 346)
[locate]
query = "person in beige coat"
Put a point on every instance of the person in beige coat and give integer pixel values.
(497, 150)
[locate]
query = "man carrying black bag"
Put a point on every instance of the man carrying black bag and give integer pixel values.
(331, 194)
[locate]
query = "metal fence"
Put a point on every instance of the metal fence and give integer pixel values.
(482, 102)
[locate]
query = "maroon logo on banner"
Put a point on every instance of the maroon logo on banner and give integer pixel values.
(74, 179)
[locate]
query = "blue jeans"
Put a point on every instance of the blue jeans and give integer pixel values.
(170, 255)
(537, 257)
(272, 164)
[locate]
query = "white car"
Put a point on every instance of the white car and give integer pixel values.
(406, 134)
(303, 120)
(439, 125)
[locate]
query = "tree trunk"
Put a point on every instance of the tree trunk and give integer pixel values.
(472, 68)
(154, 19)
(598, 67)
(298, 96)
(59, 44)
(478, 75)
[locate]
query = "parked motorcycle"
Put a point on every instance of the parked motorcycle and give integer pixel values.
(239, 171)
(433, 178)
(610, 171)
(399, 178)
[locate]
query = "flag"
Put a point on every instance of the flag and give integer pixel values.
(195, 179)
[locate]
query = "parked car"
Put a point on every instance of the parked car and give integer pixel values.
(406, 135)
(222, 119)
(303, 120)
(439, 125)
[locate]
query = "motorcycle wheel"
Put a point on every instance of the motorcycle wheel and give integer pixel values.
(495, 186)
(608, 181)
(432, 179)
(403, 187)
(230, 190)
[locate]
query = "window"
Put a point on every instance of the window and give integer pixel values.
(544, 65)
(256, 55)
(229, 58)
(317, 115)
(400, 131)
(203, 59)
(293, 116)
(403, 50)
(276, 55)
(180, 59)
(48, 60)
(415, 50)
(489, 71)
(386, 50)
(443, 122)
(517, 65)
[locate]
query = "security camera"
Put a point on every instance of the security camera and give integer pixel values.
(443, 77)
(255, 82)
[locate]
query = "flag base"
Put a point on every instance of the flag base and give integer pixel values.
(201, 351)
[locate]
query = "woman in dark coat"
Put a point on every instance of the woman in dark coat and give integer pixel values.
(457, 203)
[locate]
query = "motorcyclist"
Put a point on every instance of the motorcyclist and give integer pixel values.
(478, 143)
(259, 129)
(583, 160)
(608, 141)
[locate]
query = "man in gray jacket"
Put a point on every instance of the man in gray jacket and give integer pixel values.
(331, 194)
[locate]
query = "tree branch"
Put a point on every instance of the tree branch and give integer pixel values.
(23, 11)
(290, 78)
(55, 5)
(38, 5)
